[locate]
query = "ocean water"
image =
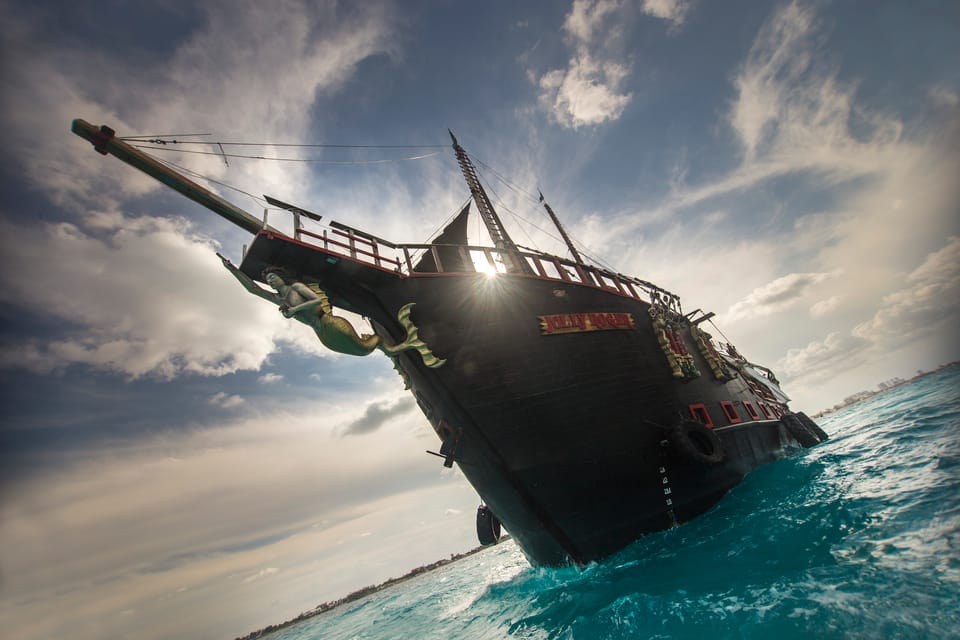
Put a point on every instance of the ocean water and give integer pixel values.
(856, 538)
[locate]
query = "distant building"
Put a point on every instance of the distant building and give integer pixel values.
(890, 384)
(857, 397)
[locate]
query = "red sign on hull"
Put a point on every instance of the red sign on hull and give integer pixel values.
(583, 322)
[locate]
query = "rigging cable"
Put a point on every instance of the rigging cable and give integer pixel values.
(729, 342)
(588, 252)
(504, 180)
(307, 160)
(158, 143)
(159, 140)
(195, 174)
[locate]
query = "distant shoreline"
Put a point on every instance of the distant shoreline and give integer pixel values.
(365, 591)
(882, 388)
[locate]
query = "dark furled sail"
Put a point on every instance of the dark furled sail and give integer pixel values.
(447, 247)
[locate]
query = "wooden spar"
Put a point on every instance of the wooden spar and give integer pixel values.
(104, 142)
(563, 232)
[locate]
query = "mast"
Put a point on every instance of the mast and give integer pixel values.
(563, 232)
(105, 142)
(501, 240)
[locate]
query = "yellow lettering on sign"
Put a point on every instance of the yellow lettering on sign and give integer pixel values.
(584, 322)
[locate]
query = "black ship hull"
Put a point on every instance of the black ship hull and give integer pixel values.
(570, 438)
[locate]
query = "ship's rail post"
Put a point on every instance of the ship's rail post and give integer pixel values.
(616, 281)
(539, 266)
(633, 292)
(353, 245)
(490, 259)
(436, 258)
(464, 255)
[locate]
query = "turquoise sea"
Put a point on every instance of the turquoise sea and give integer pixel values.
(856, 538)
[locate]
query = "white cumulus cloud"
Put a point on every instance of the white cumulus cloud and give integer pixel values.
(225, 400)
(148, 298)
(930, 303)
(589, 90)
(673, 11)
(825, 306)
(778, 295)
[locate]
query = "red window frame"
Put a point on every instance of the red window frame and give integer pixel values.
(751, 410)
(730, 412)
(699, 412)
(766, 411)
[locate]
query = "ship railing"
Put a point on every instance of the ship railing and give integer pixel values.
(405, 258)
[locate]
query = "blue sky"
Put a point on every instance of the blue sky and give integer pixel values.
(179, 460)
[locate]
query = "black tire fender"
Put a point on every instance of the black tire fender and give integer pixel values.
(812, 426)
(696, 442)
(488, 526)
(799, 431)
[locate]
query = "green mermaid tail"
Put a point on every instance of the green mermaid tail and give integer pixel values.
(337, 334)
(412, 340)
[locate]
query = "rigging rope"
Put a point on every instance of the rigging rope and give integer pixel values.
(158, 140)
(518, 189)
(536, 199)
(503, 206)
(195, 174)
(307, 160)
(448, 219)
(589, 253)
(710, 320)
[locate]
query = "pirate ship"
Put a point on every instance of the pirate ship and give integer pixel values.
(584, 405)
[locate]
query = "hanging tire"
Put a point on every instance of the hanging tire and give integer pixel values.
(695, 442)
(488, 527)
(812, 426)
(799, 431)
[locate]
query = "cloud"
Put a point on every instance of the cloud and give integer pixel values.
(790, 104)
(929, 304)
(587, 17)
(823, 358)
(823, 307)
(269, 571)
(146, 298)
(588, 91)
(270, 378)
(943, 97)
(378, 414)
(153, 301)
(779, 295)
(290, 58)
(673, 11)
(793, 118)
(845, 186)
(223, 514)
(226, 401)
